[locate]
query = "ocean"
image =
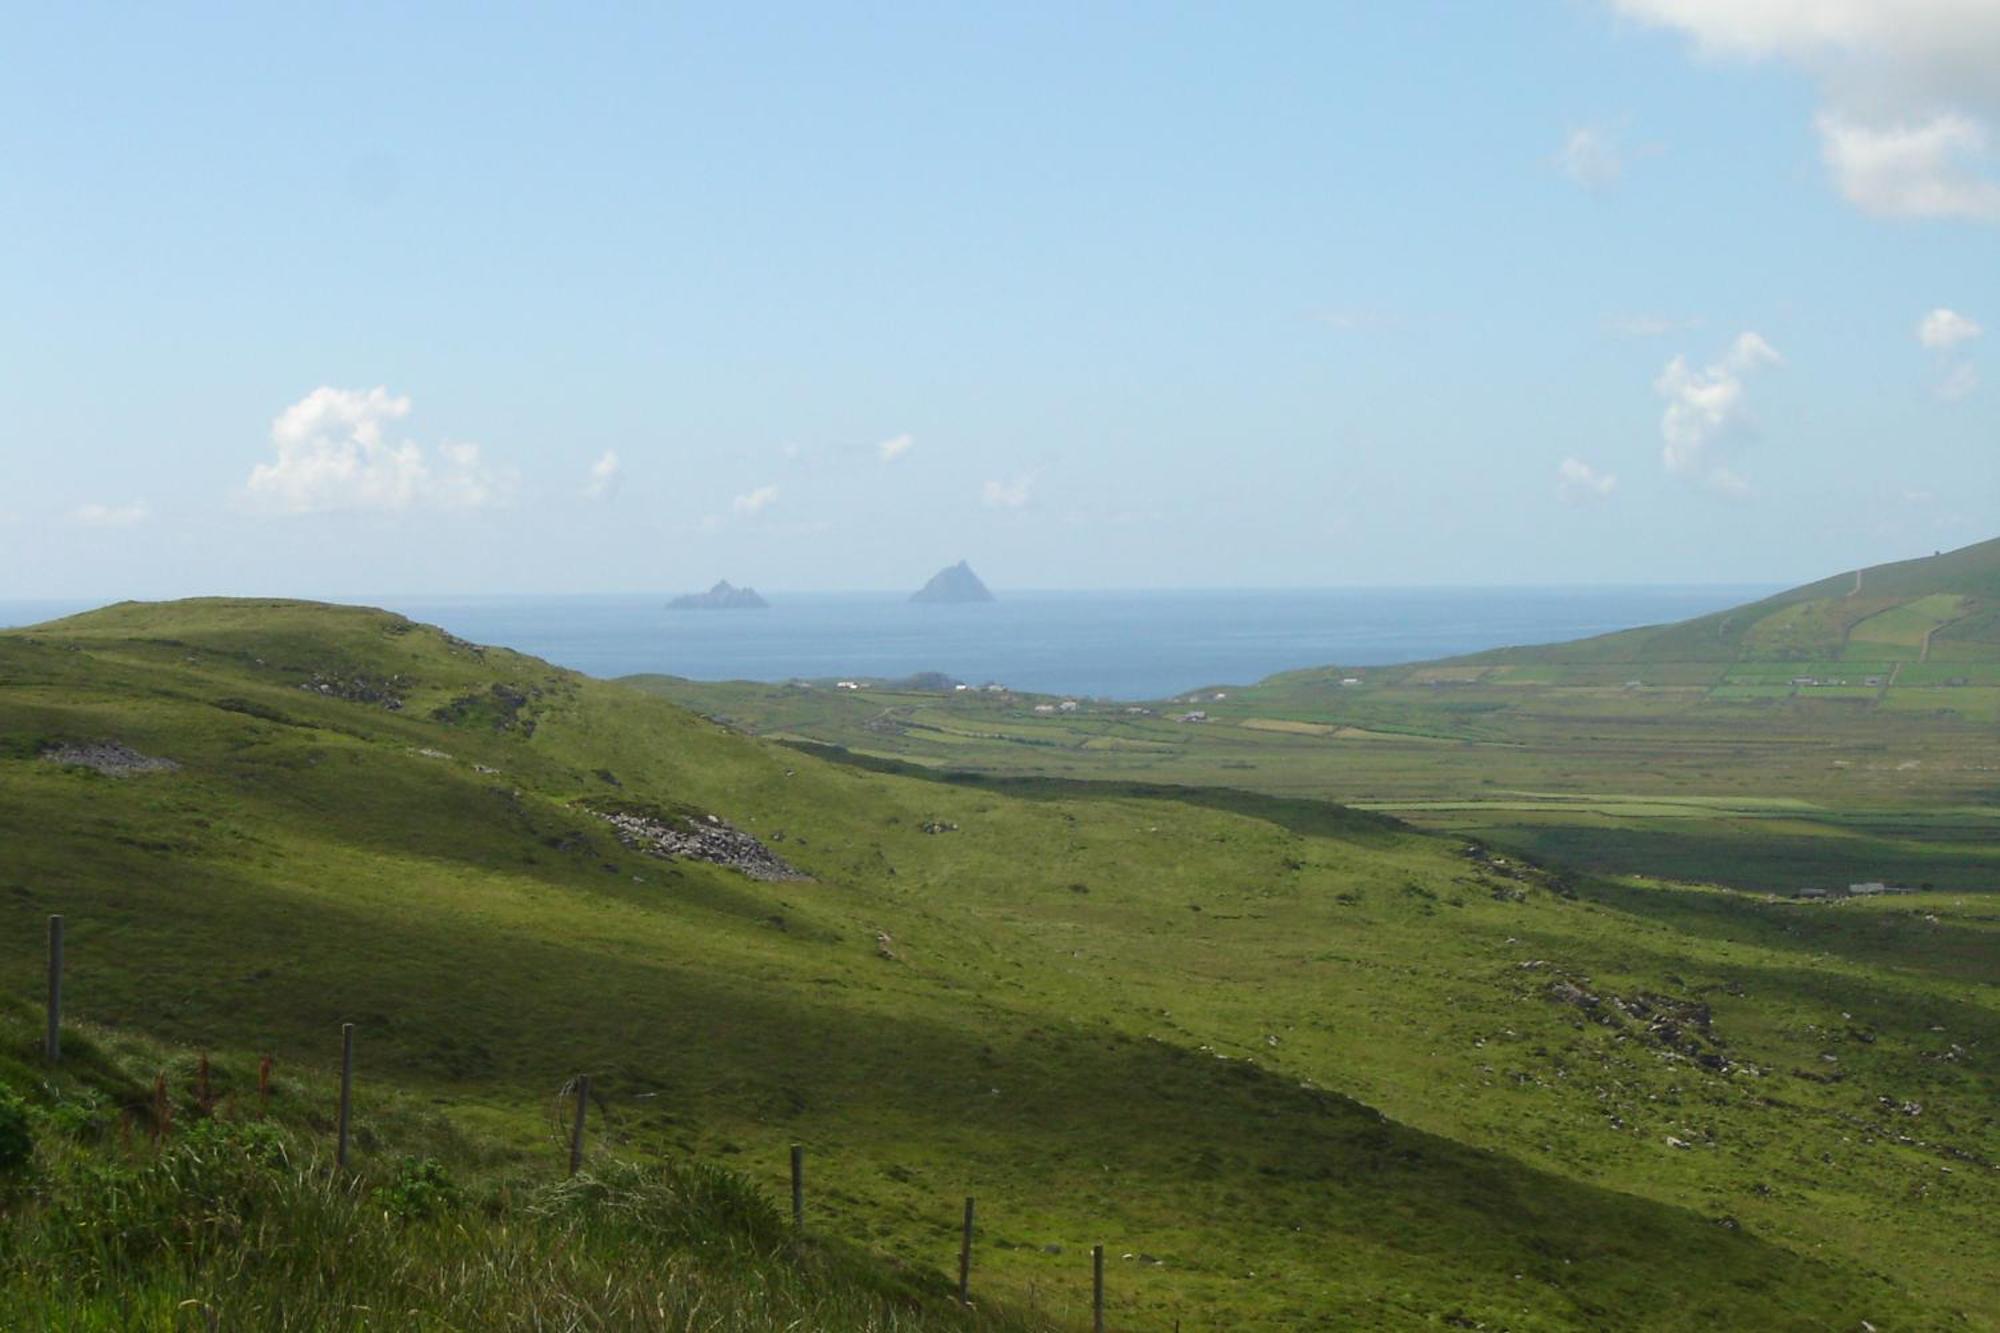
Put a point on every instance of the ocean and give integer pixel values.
(1115, 645)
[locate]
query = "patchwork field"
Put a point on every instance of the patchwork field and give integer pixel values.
(1868, 700)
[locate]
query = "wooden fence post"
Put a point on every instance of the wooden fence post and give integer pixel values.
(52, 1041)
(1097, 1289)
(965, 1257)
(576, 1129)
(346, 1093)
(798, 1187)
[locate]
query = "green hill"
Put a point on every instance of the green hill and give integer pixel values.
(1305, 1067)
(1943, 608)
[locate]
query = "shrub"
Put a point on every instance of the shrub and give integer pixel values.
(683, 1204)
(420, 1190)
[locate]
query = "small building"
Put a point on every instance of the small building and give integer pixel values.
(1196, 716)
(1067, 706)
(847, 684)
(1347, 681)
(1045, 708)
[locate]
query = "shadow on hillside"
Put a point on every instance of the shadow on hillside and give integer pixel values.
(1323, 819)
(1236, 1165)
(1941, 950)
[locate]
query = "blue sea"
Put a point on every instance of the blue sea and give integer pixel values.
(1115, 645)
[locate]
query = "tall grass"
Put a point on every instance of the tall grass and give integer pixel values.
(243, 1224)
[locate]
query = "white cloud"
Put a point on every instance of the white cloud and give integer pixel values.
(755, 502)
(1907, 85)
(1944, 332)
(601, 482)
(1926, 170)
(1008, 494)
(1591, 158)
(895, 447)
(1578, 482)
(1943, 328)
(1706, 412)
(332, 455)
(112, 516)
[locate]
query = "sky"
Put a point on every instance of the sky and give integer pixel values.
(518, 299)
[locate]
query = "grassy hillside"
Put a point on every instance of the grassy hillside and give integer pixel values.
(208, 1201)
(1305, 1066)
(1946, 605)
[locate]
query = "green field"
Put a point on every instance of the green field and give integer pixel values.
(1307, 1066)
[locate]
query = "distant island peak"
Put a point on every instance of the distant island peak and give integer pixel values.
(955, 583)
(724, 596)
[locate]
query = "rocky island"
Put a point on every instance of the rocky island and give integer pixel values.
(724, 596)
(954, 584)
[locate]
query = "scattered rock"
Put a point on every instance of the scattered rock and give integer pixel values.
(111, 758)
(710, 840)
(938, 826)
(358, 689)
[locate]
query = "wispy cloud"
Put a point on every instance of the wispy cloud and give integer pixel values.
(1360, 320)
(1648, 326)
(1706, 412)
(755, 502)
(332, 454)
(1591, 157)
(895, 447)
(601, 482)
(1580, 483)
(112, 516)
(1012, 494)
(1947, 333)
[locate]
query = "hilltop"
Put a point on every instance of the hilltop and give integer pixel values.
(1223, 1033)
(1942, 608)
(954, 583)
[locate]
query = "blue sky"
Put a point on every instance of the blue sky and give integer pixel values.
(484, 300)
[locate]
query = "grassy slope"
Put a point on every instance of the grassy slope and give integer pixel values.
(1814, 620)
(217, 1206)
(1409, 1125)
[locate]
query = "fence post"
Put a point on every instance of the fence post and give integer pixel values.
(1097, 1289)
(576, 1129)
(52, 1042)
(346, 1093)
(965, 1257)
(798, 1187)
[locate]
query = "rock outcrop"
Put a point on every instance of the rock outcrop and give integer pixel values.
(724, 596)
(955, 584)
(705, 839)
